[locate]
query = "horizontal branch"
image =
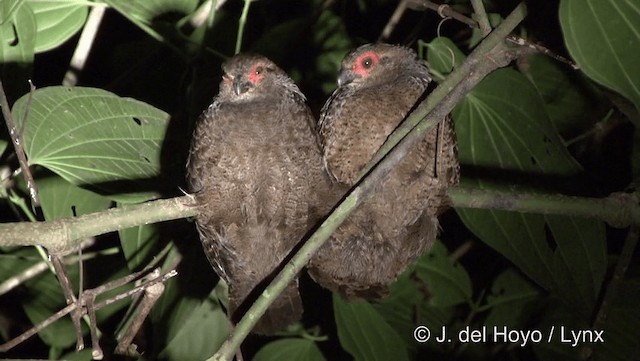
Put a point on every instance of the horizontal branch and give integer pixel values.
(65, 234)
(618, 209)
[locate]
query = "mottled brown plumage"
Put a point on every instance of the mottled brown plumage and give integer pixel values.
(378, 85)
(255, 169)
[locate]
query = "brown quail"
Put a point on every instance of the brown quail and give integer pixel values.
(256, 171)
(378, 85)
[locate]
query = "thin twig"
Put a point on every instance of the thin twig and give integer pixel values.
(36, 269)
(151, 295)
(393, 20)
(241, 24)
(18, 144)
(99, 290)
(70, 298)
(481, 15)
(427, 121)
(613, 288)
(85, 43)
(443, 10)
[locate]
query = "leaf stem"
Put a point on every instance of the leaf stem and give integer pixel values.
(241, 23)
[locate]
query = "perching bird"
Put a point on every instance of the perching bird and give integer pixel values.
(378, 85)
(255, 168)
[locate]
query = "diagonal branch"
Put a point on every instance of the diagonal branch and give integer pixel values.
(18, 144)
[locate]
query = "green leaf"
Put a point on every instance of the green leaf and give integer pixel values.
(61, 199)
(603, 37)
(198, 336)
(365, 334)
(569, 106)
(501, 124)
(57, 21)
(443, 55)
(17, 33)
(622, 328)
(3, 146)
(580, 260)
(188, 318)
(294, 349)
(7, 7)
(46, 300)
(510, 299)
(149, 14)
(139, 245)
(333, 43)
(448, 283)
(91, 137)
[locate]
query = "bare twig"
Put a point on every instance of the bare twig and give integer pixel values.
(85, 43)
(446, 12)
(393, 20)
(443, 10)
(481, 15)
(89, 302)
(613, 288)
(70, 298)
(99, 290)
(151, 295)
(27, 274)
(18, 144)
(542, 50)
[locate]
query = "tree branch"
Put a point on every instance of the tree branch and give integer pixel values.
(618, 209)
(18, 144)
(62, 235)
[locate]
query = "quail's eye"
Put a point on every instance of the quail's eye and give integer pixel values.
(259, 70)
(367, 62)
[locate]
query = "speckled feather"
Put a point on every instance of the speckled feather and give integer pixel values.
(255, 169)
(397, 224)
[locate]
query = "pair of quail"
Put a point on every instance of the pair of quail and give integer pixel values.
(264, 174)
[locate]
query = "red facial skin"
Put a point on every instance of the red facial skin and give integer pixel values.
(365, 63)
(256, 74)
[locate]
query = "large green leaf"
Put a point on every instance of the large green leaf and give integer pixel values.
(580, 260)
(509, 300)
(502, 127)
(603, 37)
(569, 106)
(294, 349)
(61, 199)
(188, 321)
(448, 282)
(17, 33)
(57, 21)
(148, 14)
(95, 138)
(199, 335)
(365, 334)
